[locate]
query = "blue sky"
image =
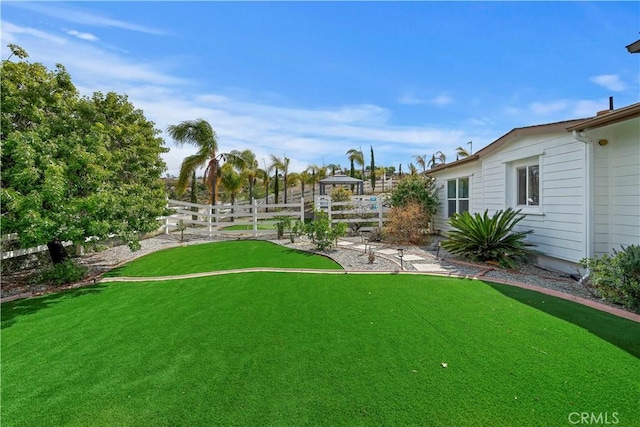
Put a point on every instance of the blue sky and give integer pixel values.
(311, 80)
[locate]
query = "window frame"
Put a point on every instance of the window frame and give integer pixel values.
(512, 183)
(457, 199)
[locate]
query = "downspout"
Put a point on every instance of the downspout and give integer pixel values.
(588, 155)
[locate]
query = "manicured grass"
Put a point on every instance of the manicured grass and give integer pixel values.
(296, 349)
(220, 256)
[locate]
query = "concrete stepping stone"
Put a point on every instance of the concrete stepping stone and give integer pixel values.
(412, 258)
(344, 243)
(431, 268)
(388, 251)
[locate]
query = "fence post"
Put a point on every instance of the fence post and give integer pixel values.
(379, 203)
(166, 221)
(254, 214)
(209, 220)
(302, 209)
(329, 210)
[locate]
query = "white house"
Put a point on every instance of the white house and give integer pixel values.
(577, 182)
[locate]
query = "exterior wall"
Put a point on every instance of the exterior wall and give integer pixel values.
(471, 170)
(616, 186)
(559, 222)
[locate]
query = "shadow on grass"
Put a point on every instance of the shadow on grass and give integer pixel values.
(13, 310)
(623, 333)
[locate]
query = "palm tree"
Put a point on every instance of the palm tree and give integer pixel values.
(248, 168)
(231, 181)
(265, 175)
(421, 160)
(437, 158)
(317, 173)
(413, 170)
(292, 179)
(281, 163)
(199, 133)
(461, 153)
(355, 157)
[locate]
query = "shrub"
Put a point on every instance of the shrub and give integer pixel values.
(341, 194)
(617, 277)
(483, 238)
(407, 224)
(322, 233)
(59, 274)
(285, 223)
(417, 189)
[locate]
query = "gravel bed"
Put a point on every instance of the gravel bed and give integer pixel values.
(351, 259)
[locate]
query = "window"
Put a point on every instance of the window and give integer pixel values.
(528, 184)
(458, 195)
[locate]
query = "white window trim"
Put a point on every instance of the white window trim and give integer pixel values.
(513, 184)
(458, 199)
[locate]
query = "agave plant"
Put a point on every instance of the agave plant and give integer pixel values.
(482, 238)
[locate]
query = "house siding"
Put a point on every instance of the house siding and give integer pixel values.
(559, 221)
(616, 172)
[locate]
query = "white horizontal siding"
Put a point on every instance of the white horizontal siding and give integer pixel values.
(616, 187)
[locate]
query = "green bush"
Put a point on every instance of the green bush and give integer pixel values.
(60, 274)
(483, 238)
(284, 222)
(617, 277)
(322, 233)
(418, 189)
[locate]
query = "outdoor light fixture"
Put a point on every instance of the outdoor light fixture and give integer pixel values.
(366, 243)
(603, 142)
(400, 255)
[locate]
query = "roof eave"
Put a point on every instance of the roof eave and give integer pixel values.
(609, 118)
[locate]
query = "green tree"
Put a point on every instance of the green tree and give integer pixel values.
(282, 164)
(416, 188)
(356, 158)
(421, 160)
(74, 168)
(231, 181)
(373, 170)
(200, 134)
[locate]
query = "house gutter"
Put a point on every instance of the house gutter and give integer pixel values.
(588, 155)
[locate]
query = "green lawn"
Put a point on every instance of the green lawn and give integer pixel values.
(306, 349)
(220, 256)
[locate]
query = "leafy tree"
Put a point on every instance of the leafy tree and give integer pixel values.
(419, 189)
(199, 133)
(74, 168)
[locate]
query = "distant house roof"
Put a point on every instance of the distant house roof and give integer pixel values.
(608, 117)
(340, 179)
(634, 47)
(506, 138)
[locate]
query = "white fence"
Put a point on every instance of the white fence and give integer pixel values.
(361, 214)
(229, 219)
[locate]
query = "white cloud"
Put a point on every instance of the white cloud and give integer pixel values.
(11, 32)
(82, 36)
(75, 15)
(411, 99)
(86, 63)
(610, 82)
(546, 108)
(442, 100)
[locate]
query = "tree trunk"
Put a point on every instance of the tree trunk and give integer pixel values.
(57, 251)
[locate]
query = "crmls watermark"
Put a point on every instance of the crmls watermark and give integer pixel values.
(603, 418)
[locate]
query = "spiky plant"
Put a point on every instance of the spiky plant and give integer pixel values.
(480, 237)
